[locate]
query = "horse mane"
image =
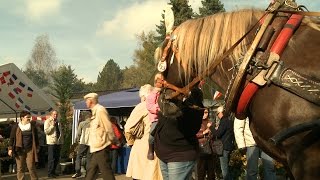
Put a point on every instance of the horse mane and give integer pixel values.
(201, 41)
(313, 22)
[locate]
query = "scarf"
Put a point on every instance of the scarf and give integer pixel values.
(26, 127)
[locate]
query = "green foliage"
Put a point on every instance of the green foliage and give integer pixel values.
(182, 12)
(65, 149)
(210, 7)
(141, 72)
(237, 164)
(64, 84)
(81, 86)
(161, 30)
(38, 77)
(110, 77)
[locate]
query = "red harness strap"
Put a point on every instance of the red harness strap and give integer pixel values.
(278, 47)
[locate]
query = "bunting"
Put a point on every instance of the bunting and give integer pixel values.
(21, 87)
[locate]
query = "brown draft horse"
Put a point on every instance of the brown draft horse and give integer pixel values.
(199, 42)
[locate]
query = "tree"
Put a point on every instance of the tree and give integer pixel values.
(43, 56)
(182, 12)
(144, 66)
(38, 77)
(42, 62)
(64, 84)
(210, 7)
(110, 77)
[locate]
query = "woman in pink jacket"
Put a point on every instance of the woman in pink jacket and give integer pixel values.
(153, 108)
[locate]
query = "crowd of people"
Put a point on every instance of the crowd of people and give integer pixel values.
(162, 147)
(171, 147)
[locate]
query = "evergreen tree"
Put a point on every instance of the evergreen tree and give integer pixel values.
(182, 12)
(210, 7)
(110, 77)
(64, 84)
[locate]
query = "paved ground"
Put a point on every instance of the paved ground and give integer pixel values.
(43, 175)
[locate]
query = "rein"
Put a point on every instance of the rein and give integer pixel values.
(230, 99)
(185, 90)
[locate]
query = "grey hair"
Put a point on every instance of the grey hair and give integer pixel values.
(145, 90)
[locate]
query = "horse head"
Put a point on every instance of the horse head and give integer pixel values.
(195, 44)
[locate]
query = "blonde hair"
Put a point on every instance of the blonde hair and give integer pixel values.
(145, 90)
(312, 22)
(201, 41)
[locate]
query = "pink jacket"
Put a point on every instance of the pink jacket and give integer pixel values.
(153, 106)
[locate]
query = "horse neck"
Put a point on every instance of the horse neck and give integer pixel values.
(222, 75)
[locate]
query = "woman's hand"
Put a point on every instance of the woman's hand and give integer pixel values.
(209, 124)
(206, 131)
(10, 152)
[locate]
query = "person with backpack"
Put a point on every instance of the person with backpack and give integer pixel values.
(114, 148)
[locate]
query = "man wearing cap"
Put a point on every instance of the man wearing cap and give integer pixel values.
(101, 136)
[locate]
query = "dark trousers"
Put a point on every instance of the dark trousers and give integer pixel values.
(53, 157)
(114, 153)
(82, 151)
(100, 160)
(206, 166)
(41, 157)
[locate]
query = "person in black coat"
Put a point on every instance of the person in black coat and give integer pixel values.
(224, 132)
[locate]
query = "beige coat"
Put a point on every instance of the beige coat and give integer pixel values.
(139, 167)
(50, 132)
(101, 133)
(242, 133)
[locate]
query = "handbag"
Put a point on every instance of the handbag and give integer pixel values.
(217, 147)
(205, 148)
(138, 129)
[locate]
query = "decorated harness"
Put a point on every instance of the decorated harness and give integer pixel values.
(262, 59)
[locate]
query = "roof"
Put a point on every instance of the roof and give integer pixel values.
(18, 92)
(121, 99)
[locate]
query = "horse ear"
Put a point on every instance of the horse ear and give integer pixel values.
(169, 19)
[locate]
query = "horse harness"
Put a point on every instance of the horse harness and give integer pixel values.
(263, 61)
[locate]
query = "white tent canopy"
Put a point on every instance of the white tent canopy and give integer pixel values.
(18, 92)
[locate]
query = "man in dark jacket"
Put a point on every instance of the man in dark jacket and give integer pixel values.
(224, 131)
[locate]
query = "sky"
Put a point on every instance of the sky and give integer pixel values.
(86, 34)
